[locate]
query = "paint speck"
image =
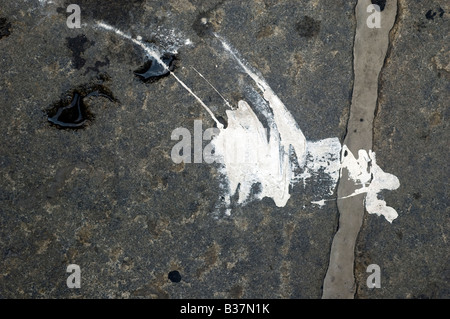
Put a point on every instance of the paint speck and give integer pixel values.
(319, 202)
(430, 15)
(174, 276)
(139, 38)
(202, 26)
(5, 27)
(322, 163)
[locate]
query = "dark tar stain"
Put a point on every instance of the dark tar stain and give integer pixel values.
(308, 27)
(75, 114)
(5, 28)
(152, 70)
(380, 3)
(78, 45)
(430, 15)
(174, 276)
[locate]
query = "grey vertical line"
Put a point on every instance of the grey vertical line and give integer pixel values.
(369, 52)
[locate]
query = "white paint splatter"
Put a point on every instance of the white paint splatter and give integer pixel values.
(364, 171)
(44, 2)
(170, 39)
(253, 156)
(156, 55)
(319, 202)
(290, 132)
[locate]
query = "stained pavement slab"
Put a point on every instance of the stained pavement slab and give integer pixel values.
(109, 198)
(411, 139)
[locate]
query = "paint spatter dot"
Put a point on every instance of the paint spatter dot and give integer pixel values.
(417, 195)
(203, 24)
(152, 71)
(174, 276)
(308, 27)
(5, 28)
(361, 120)
(430, 15)
(345, 154)
(380, 3)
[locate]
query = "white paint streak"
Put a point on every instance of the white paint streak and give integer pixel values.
(365, 171)
(157, 56)
(44, 2)
(320, 202)
(253, 156)
(287, 126)
(209, 83)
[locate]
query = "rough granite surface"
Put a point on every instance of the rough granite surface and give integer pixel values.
(109, 198)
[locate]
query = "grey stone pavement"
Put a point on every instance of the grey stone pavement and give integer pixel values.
(109, 198)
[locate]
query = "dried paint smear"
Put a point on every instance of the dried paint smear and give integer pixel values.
(365, 172)
(269, 157)
(272, 159)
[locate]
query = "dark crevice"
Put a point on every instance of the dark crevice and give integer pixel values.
(380, 3)
(353, 78)
(392, 36)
